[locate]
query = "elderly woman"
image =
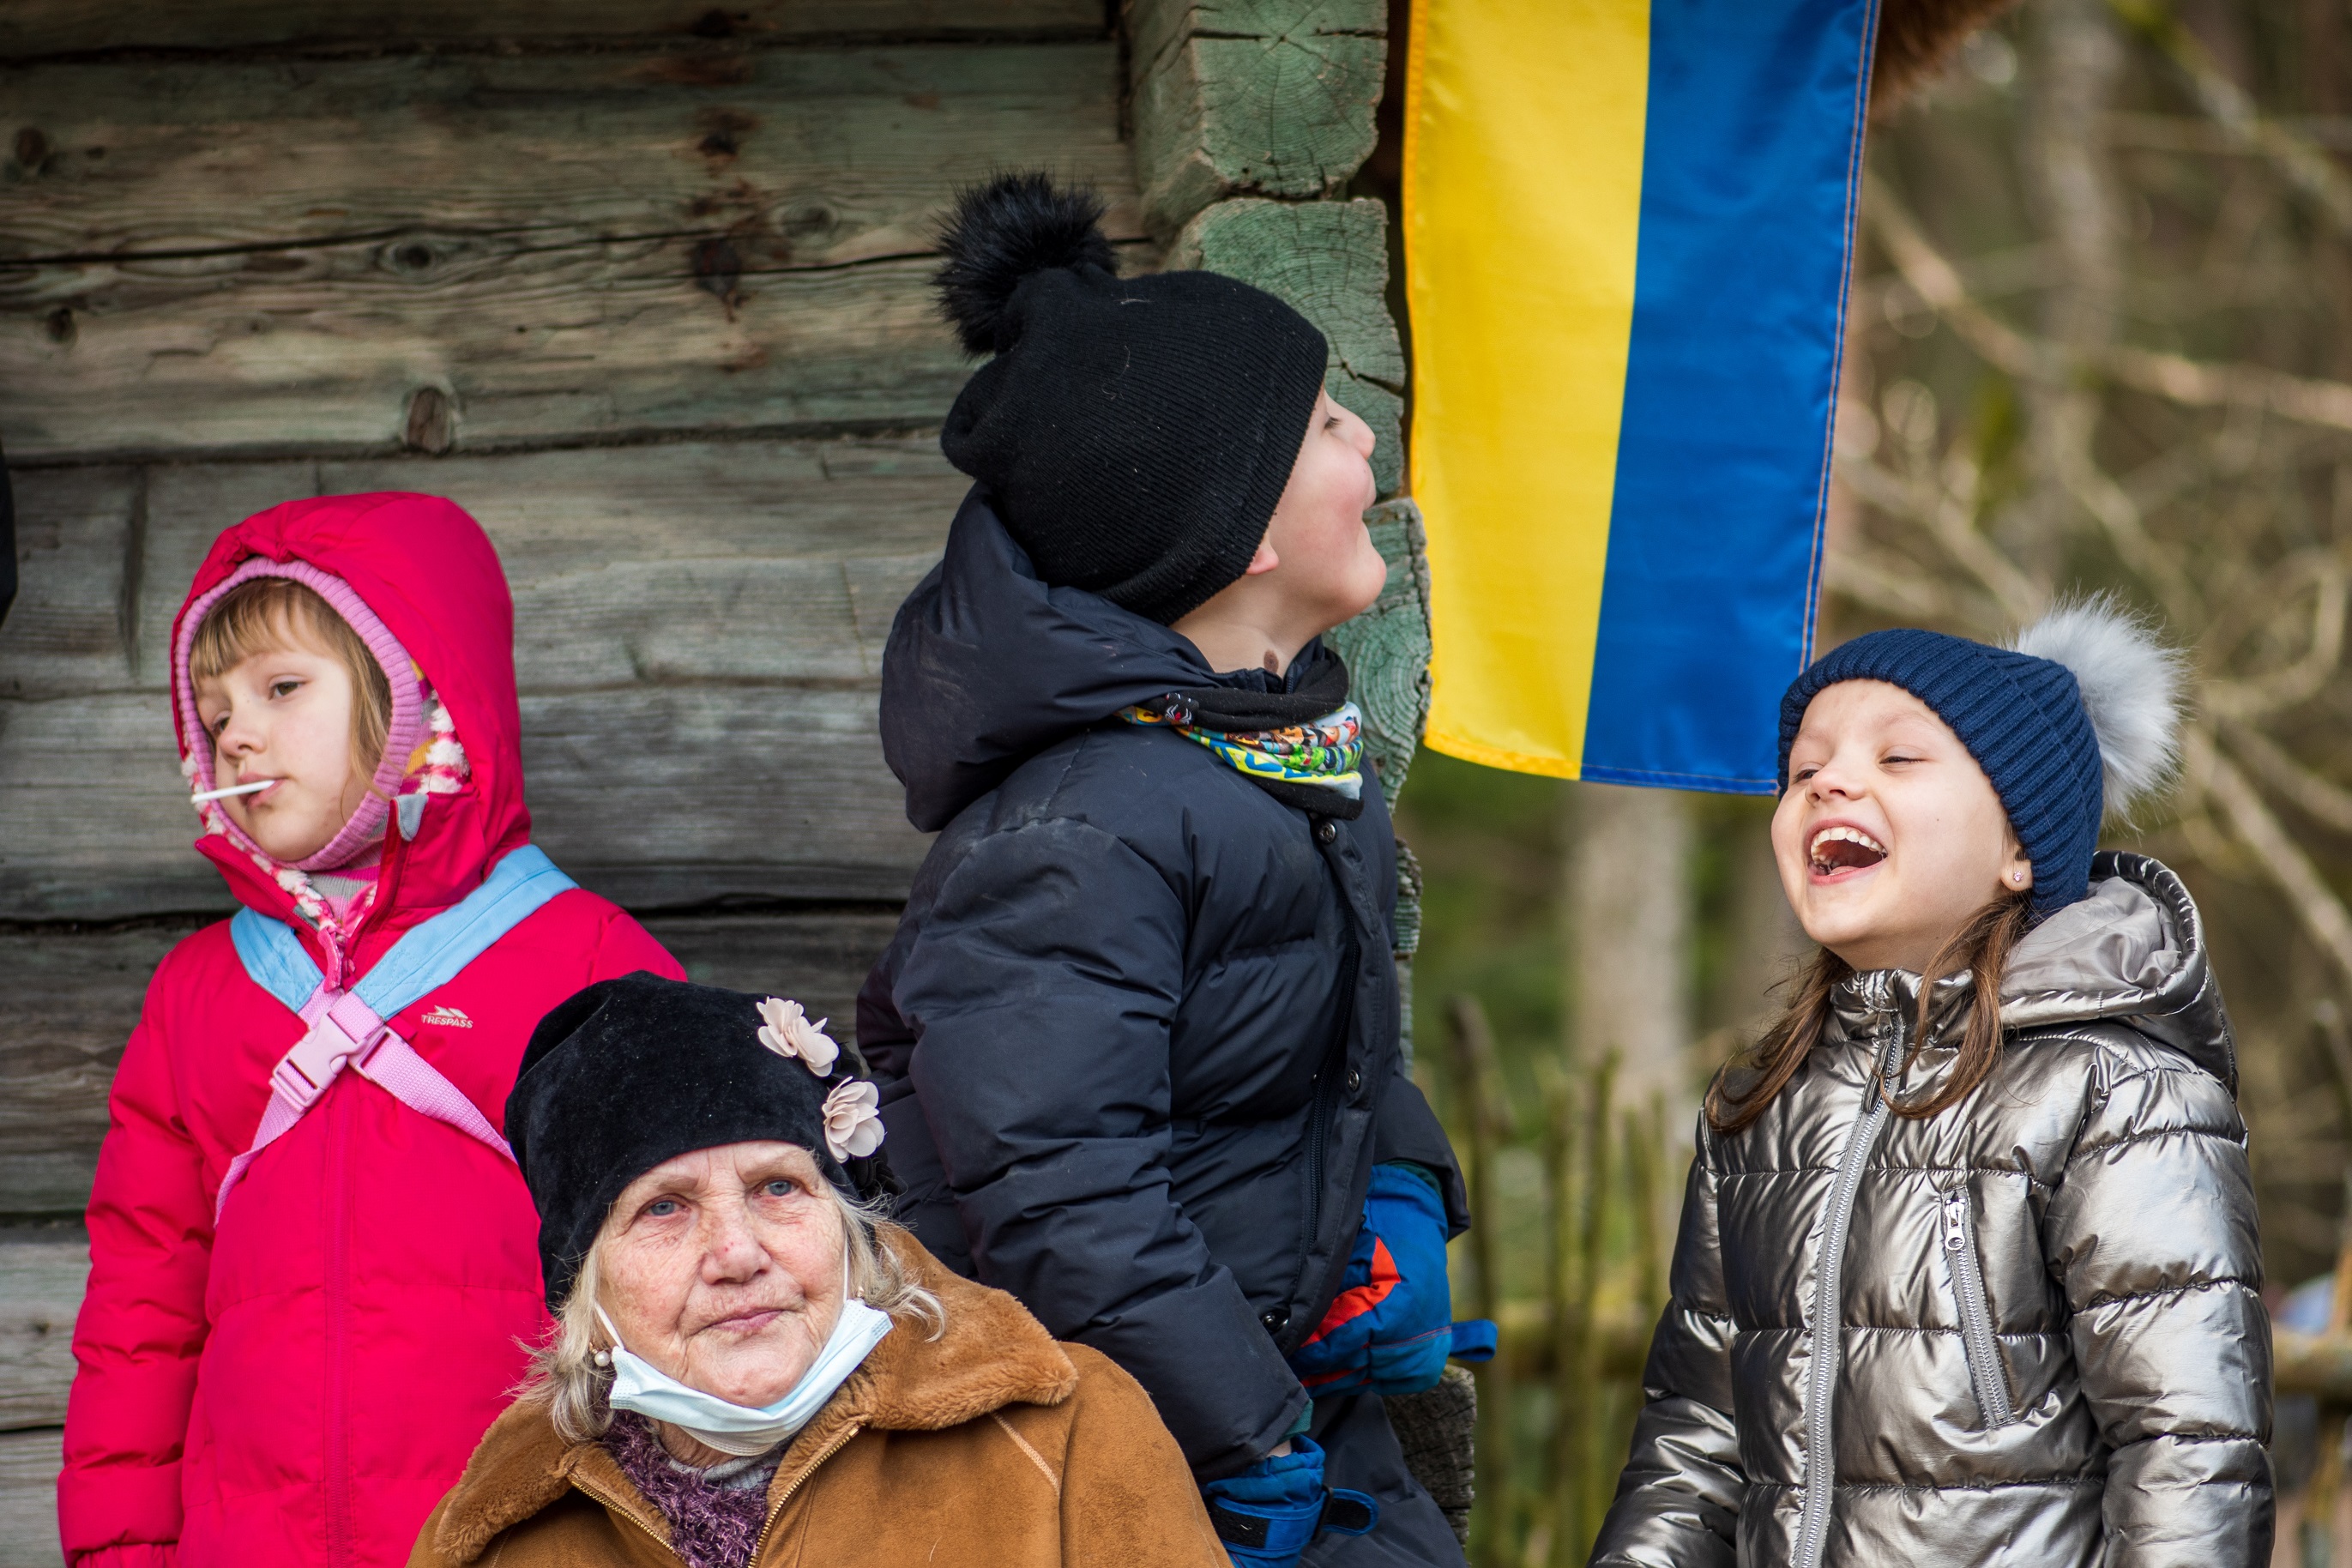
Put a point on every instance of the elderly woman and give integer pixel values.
(746, 1367)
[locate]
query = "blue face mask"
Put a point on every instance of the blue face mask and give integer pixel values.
(739, 1429)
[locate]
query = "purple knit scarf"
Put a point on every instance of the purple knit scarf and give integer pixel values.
(715, 1515)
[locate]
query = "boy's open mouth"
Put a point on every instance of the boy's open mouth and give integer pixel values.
(1836, 850)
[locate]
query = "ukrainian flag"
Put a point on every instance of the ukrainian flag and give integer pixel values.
(1628, 228)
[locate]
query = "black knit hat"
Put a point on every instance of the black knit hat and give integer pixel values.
(632, 1072)
(1136, 433)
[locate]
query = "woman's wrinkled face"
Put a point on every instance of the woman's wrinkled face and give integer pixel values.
(1889, 836)
(1330, 569)
(284, 716)
(724, 1268)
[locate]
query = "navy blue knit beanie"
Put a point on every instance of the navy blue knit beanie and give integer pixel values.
(2078, 719)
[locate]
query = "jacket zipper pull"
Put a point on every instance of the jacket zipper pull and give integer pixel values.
(1955, 1204)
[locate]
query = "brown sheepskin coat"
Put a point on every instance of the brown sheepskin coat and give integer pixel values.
(992, 1444)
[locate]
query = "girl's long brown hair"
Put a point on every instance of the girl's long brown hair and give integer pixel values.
(1981, 946)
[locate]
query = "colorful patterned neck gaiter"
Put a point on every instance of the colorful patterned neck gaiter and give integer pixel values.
(1323, 754)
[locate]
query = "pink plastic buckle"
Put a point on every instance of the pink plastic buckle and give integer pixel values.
(346, 1029)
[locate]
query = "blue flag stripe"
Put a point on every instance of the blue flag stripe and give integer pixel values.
(1751, 172)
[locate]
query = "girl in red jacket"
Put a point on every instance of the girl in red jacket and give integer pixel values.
(312, 1261)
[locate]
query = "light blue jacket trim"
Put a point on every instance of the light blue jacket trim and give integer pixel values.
(427, 958)
(274, 958)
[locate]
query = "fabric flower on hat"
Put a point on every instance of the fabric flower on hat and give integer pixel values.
(784, 1029)
(853, 1119)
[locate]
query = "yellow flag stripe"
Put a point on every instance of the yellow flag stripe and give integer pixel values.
(1522, 218)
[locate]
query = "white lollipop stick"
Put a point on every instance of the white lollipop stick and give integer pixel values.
(203, 795)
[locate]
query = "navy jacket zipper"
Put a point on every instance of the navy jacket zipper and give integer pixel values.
(1325, 1110)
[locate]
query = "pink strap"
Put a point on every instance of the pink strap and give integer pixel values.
(396, 1069)
(345, 1032)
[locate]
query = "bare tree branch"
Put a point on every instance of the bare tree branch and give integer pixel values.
(1949, 521)
(2240, 121)
(2308, 676)
(2119, 516)
(2318, 909)
(2313, 796)
(1938, 282)
(2185, 381)
(2171, 376)
(1879, 582)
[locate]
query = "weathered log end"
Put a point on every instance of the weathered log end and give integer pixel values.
(1436, 1430)
(1329, 261)
(1387, 647)
(1251, 97)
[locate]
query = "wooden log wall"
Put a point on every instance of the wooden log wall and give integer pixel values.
(639, 283)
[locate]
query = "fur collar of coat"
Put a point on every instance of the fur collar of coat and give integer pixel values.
(992, 1356)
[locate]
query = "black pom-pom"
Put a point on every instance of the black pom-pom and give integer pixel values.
(1004, 231)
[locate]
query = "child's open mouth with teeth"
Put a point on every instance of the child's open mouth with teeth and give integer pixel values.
(1840, 848)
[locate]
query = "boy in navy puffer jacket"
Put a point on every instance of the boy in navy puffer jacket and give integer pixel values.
(1138, 1032)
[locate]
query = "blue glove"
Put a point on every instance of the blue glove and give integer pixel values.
(1267, 1514)
(1392, 1327)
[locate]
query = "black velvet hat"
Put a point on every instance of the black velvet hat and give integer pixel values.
(632, 1072)
(1135, 432)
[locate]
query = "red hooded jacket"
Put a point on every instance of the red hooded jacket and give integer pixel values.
(302, 1387)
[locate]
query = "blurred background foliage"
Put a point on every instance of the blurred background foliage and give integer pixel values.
(2097, 342)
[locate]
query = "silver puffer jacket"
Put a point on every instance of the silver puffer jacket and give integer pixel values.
(2054, 1349)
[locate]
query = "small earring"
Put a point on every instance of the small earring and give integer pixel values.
(2017, 876)
(604, 1358)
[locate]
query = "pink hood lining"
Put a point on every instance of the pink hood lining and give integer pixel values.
(431, 576)
(401, 737)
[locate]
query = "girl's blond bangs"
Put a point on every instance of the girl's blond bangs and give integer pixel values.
(269, 613)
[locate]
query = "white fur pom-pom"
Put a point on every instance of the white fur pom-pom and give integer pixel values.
(2131, 689)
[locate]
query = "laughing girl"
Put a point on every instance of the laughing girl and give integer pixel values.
(1967, 1268)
